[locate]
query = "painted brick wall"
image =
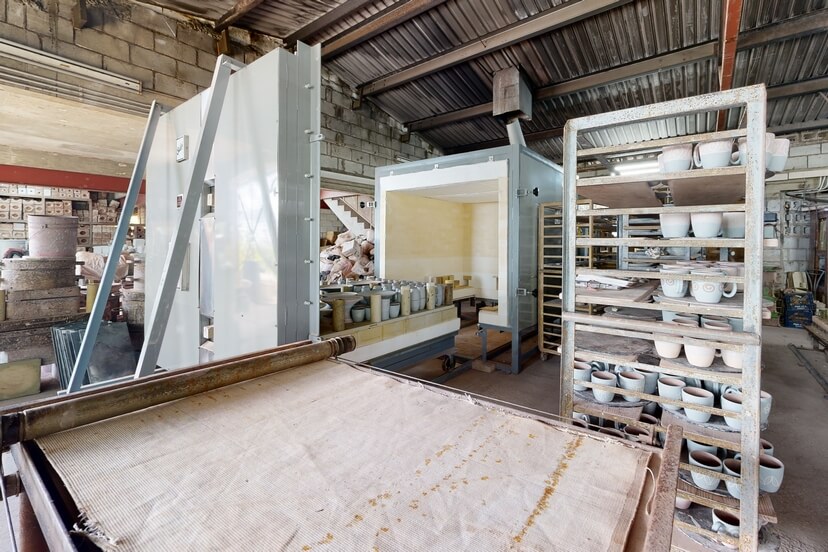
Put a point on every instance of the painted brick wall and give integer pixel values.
(807, 163)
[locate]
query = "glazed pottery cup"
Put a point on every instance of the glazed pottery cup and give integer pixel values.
(582, 373)
(765, 403)
(766, 447)
(670, 388)
(732, 402)
(581, 416)
(699, 356)
(733, 467)
(358, 314)
(683, 503)
(604, 378)
(648, 419)
(725, 523)
(696, 395)
(394, 310)
(632, 381)
(706, 225)
(710, 155)
(771, 472)
(777, 155)
(693, 446)
(580, 423)
(612, 431)
(674, 288)
(687, 320)
(637, 435)
(674, 225)
(733, 225)
(676, 158)
(710, 292)
(702, 459)
(650, 380)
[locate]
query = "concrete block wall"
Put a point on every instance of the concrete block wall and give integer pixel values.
(359, 140)
(328, 222)
(172, 57)
(807, 164)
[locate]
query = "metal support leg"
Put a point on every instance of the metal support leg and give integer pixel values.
(484, 334)
(157, 323)
(90, 336)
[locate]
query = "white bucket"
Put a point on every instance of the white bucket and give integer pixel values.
(52, 237)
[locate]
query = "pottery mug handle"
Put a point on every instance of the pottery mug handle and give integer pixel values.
(737, 456)
(730, 388)
(732, 291)
(697, 155)
(735, 158)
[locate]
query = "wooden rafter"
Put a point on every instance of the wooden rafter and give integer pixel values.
(242, 8)
(728, 38)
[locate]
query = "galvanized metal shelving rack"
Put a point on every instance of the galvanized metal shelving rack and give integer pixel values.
(738, 188)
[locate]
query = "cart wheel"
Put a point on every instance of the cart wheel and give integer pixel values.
(544, 357)
(448, 363)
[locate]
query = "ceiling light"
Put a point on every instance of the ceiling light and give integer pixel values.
(25, 54)
(631, 169)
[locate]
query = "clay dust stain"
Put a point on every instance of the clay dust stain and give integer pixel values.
(328, 539)
(484, 478)
(551, 486)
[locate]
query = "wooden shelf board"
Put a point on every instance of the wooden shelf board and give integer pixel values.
(695, 176)
(661, 242)
(634, 294)
(658, 144)
(630, 195)
(656, 275)
(715, 500)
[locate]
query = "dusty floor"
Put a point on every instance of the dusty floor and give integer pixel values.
(798, 430)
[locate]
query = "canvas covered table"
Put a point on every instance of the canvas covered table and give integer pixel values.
(329, 456)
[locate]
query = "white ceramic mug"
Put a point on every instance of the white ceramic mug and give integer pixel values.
(710, 292)
(766, 447)
(674, 288)
(637, 435)
(582, 372)
(726, 523)
(634, 382)
(706, 225)
(699, 356)
(648, 419)
(732, 402)
(770, 140)
(777, 155)
(771, 473)
(733, 224)
(650, 380)
(733, 467)
(696, 395)
(765, 403)
(674, 225)
(693, 446)
(676, 158)
(670, 388)
(702, 459)
(604, 378)
(709, 155)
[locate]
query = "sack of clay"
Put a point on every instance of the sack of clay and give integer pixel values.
(344, 237)
(366, 247)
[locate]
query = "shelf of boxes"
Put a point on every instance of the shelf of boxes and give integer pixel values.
(97, 217)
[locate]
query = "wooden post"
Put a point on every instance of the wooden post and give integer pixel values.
(338, 315)
(449, 296)
(2, 305)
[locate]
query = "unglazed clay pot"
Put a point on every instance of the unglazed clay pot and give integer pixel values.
(583, 371)
(695, 395)
(604, 378)
(706, 225)
(707, 461)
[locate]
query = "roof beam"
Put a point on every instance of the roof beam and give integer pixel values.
(543, 22)
(387, 19)
(798, 127)
(806, 24)
(798, 88)
(728, 37)
(321, 23)
(781, 91)
(602, 78)
(242, 8)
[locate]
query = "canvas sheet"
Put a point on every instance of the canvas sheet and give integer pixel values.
(330, 457)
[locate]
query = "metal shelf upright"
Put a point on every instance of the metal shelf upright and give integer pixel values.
(591, 337)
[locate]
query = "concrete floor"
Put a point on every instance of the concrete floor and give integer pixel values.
(798, 430)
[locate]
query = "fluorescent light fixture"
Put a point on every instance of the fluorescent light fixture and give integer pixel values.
(25, 54)
(641, 167)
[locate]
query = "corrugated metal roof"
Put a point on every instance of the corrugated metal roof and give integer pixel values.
(638, 30)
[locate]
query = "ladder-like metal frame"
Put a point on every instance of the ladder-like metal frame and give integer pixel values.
(157, 322)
